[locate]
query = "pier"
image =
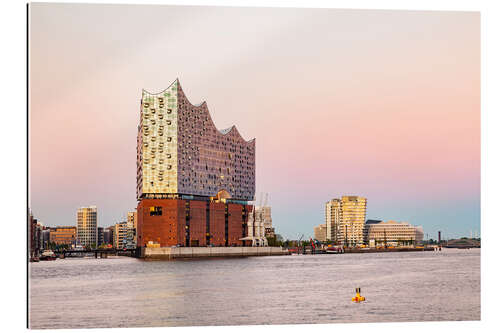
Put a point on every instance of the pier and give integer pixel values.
(309, 250)
(204, 252)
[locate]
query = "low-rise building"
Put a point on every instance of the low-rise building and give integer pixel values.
(365, 231)
(393, 233)
(63, 235)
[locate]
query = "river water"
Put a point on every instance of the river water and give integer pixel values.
(303, 289)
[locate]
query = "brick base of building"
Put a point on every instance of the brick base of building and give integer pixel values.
(171, 222)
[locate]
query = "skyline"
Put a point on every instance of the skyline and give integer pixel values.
(428, 67)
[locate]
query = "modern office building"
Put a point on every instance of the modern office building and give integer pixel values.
(120, 235)
(63, 235)
(366, 228)
(100, 236)
(86, 225)
(320, 232)
(345, 219)
(108, 237)
(193, 181)
(393, 233)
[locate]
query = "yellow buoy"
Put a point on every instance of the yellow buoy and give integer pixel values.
(358, 298)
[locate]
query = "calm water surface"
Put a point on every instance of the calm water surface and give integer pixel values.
(128, 292)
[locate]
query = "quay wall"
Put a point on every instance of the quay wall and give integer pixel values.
(372, 250)
(200, 252)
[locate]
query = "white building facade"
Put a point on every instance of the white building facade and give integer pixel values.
(394, 233)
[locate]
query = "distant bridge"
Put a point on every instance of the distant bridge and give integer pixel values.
(102, 253)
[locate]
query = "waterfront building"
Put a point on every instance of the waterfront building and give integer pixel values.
(100, 236)
(345, 219)
(86, 226)
(35, 229)
(108, 237)
(131, 230)
(256, 232)
(260, 225)
(392, 233)
(193, 181)
(320, 232)
(45, 238)
(63, 235)
(267, 221)
(366, 228)
(32, 237)
(120, 235)
(265, 215)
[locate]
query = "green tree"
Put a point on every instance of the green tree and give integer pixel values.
(271, 241)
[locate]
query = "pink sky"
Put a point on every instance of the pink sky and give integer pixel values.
(384, 104)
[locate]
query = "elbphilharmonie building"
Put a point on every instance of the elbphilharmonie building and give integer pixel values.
(181, 152)
(193, 180)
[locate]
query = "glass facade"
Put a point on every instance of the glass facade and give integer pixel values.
(181, 152)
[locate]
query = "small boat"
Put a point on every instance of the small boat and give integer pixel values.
(47, 255)
(334, 250)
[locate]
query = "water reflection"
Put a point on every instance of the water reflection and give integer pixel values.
(128, 292)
